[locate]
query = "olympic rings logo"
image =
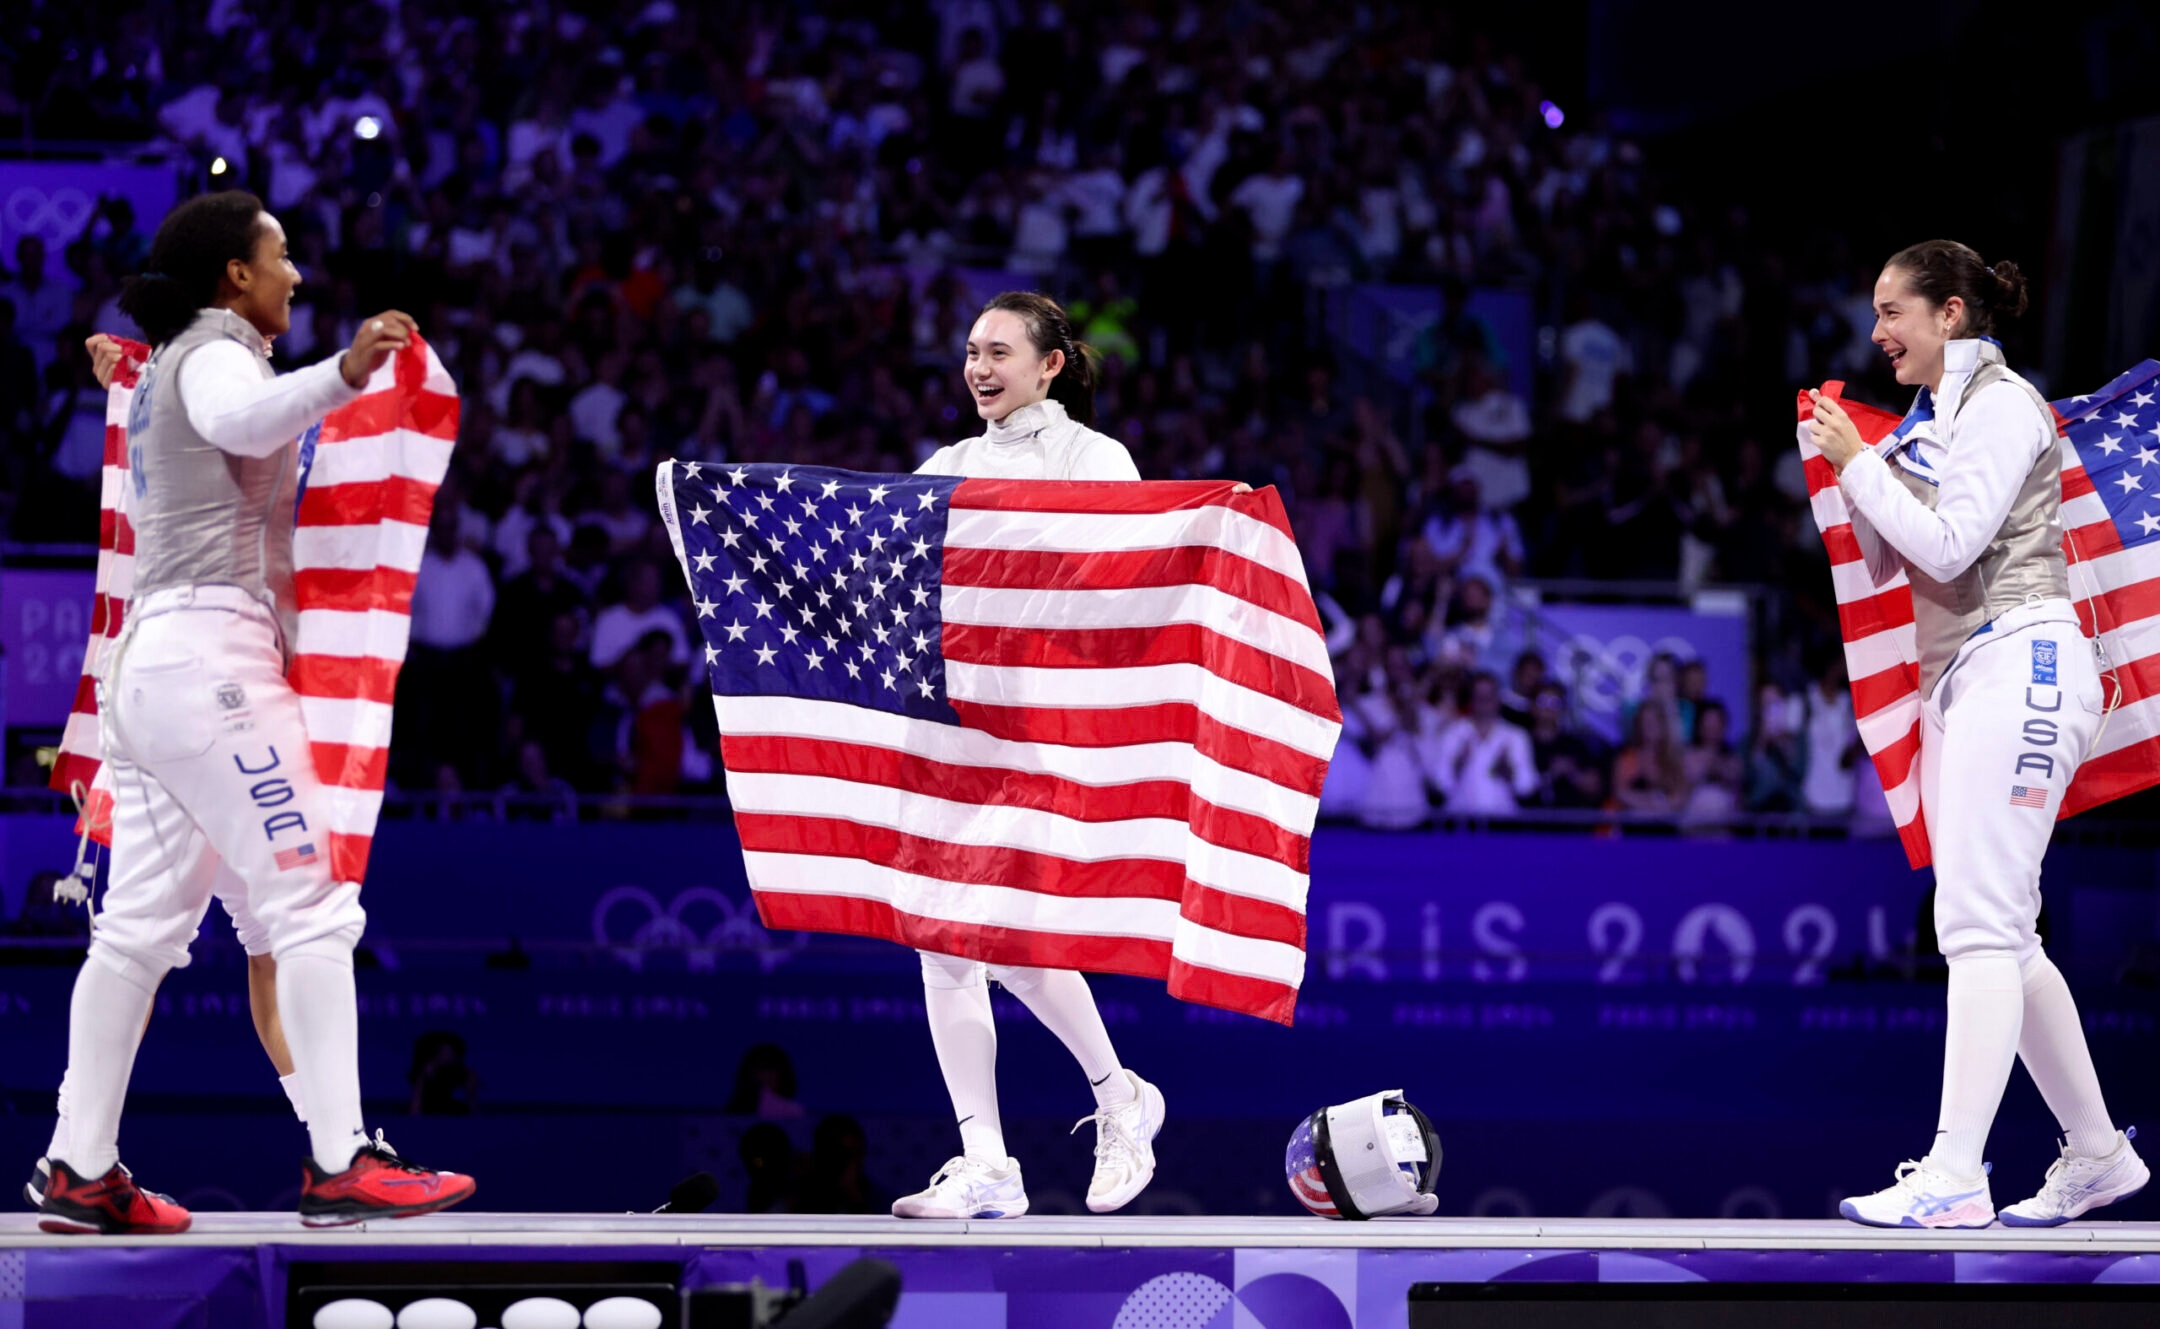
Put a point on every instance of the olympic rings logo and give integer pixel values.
(727, 927)
(56, 217)
(1606, 676)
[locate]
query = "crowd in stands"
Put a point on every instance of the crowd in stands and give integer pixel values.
(760, 231)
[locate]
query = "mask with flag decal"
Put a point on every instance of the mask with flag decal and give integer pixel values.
(1367, 1158)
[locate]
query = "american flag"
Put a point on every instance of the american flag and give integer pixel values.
(368, 477)
(1041, 723)
(2028, 796)
(2110, 443)
(1301, 1165)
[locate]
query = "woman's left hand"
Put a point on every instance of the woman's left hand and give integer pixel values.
(1834, 432)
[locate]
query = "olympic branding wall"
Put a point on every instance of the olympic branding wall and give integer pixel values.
(1424, 908)
(55, 200)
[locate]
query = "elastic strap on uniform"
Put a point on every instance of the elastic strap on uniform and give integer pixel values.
(78, 886)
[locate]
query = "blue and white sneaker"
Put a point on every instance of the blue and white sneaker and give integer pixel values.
(968, 1188)
(2077, 1184)
(1924, 1197)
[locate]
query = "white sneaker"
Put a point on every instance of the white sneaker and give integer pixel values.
(40, 1177)
(968, 1188)
(1124, 1146)
(1924, 1197)
(2077, 1184)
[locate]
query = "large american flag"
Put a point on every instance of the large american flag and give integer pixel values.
(1077, 725)
(2110, 443)
(368, 477)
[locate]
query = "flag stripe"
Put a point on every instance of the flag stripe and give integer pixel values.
(1267, 999)
(1141, 607)
(1182, 643)
(959, 824)
(1220, 785)
(1165, 722)
(1123, 532)
(1024, 870)
(1169, 799)
(1063, 570)
(1116, 688)
(1002, 908)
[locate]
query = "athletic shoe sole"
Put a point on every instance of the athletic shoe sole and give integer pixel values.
(75, 1227)
(1153, 1109)
(34, 1189)
(1014, 1209)
(344, 1218)
(2017, 1220)
(1950, 1219)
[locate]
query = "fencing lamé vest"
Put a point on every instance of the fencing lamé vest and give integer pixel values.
(2023, 560)
(202, 515)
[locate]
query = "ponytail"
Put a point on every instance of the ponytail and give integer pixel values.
(1050, 329)
(187, 261)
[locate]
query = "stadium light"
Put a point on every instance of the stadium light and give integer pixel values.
(1554, 116)
(218, 166)
(367, 126)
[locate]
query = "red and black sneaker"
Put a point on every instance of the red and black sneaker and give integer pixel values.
(379, 1184)
(113, 1205)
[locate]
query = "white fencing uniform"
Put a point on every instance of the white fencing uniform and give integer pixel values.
(214, 782)
(1967, 501)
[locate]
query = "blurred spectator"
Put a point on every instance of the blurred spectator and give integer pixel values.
(1712, 770)
(1777, 759)
(837, 1180)
(1482, 765)
(445, 724)
(1833, 740)
(1523, 682)
(1593, 359)
(1650, 774)
(524, 618)
(44, 299)
(1471, 539)
(765, 1085)
(443, 1085)
(1497, 424)
(768, 1159)
(621, 626)
(1570, 764)
(1468, 638)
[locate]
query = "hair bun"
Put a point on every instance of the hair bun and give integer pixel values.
(2011, 295)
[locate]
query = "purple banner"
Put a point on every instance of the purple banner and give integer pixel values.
(55, 200)
(44, 625)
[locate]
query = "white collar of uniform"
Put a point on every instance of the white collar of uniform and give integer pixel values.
(239, 329)
(1962, 359)
(1025, 422)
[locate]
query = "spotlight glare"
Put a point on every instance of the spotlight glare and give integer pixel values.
(1554, 116)
(367, 126)
(218, 166)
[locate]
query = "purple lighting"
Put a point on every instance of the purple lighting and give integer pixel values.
(1554, 116)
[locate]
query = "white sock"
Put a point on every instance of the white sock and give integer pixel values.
(321, 1014)
(63, 1133)
(965, 1036)
(105, 1022)
(2053, 1048)
(291, 1085)
(1062, 1000)
(1986, 1008)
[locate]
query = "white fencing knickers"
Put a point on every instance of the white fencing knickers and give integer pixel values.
(2007, 727)
(214, 789)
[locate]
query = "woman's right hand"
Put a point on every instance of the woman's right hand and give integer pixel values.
(377, 340)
